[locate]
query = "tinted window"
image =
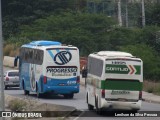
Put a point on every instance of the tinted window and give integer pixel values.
(95, 66)
(38, 57)
(13, 74)
(34, 56)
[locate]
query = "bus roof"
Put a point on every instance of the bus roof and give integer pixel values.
(111, 54)
(44, 43)
(114, 54)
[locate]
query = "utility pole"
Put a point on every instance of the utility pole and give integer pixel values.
(1, 66)
(103, 6)
(95, 9)
(119, 13)
(143, 14)
(127, 13)
(87, 6)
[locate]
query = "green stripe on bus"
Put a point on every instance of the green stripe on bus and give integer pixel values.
(138, 69)
(121, 85)
(103, 84)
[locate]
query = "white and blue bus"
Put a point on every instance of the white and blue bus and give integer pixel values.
(49, 67)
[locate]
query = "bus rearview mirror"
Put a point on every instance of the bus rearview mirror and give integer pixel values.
(84, 73)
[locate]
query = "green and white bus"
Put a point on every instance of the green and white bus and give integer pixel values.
(114, 81)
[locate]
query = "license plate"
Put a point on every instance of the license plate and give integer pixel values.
(61, 84)
(10, 83)
(122, 99)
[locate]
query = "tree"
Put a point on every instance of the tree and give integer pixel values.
(86, 31)
(151, 62)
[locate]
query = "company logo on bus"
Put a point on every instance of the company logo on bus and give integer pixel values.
(62, 57)
(62, 71)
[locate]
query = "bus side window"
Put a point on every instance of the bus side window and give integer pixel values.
(38, 57)
(35, 56)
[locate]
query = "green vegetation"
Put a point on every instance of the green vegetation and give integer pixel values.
(17, 105)
(152, 87)
(69, 22)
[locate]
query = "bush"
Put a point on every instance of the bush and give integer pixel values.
(151, 87)
(17, 105)
(151, 69)
(11, 50)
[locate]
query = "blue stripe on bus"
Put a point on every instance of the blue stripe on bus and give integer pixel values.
(57, 82)
(74, 78)
(60, 86)
(62, 89)
(51, 54)
(57, 50)
(67, 50)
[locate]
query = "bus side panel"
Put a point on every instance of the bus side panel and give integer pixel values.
(25, 77)
(93, 89)
(39, 77)
(91, 96)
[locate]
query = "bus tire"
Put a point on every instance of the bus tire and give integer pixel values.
(5, 87)
(39, 95)
(65, 95)
(71, 95)
(90, 107)
(87, 98)
(98, 110)
(26, 92)
(68, 95)
(133, 111)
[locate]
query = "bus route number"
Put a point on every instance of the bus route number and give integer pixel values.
(71, 82)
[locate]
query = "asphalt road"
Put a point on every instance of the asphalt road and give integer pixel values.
(79, 102)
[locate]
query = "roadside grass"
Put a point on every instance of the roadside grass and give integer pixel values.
(151, 87)
(31, 105)
(17, 105)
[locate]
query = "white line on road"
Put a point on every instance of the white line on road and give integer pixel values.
(79, 115)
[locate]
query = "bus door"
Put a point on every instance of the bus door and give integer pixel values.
(32, 69)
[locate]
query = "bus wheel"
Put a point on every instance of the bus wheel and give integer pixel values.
(133, 111)
(90, 107)
(5, 87)
(39, 95)
(71, 95)
(98, 110)
(65, 96)
(26, 92)
(68, 95)
(87, 98)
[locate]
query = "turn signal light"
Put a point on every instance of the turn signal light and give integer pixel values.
(140, 95)
(7, 78)
(78, 79)
(103, 93)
